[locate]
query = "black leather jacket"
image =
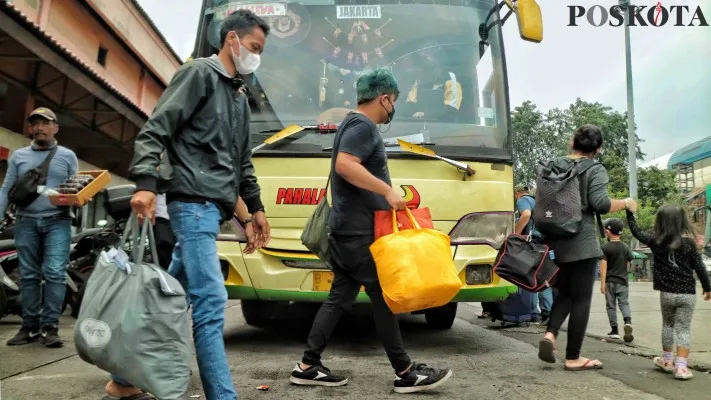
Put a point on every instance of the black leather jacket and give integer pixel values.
(202, 123)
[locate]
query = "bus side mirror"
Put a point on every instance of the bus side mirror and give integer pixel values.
(530, 20)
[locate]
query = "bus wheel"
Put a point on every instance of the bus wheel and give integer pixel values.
(255, 312)
(441, 317)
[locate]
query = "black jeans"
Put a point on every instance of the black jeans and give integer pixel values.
(351, 261)
(575, 283)
(165, 241)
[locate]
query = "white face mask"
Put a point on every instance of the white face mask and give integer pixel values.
(247, 62)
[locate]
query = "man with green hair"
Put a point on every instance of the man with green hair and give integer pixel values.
(360, 186)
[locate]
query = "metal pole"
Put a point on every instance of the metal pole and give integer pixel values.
(631, 137)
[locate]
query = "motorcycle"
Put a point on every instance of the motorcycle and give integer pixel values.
(88, 248)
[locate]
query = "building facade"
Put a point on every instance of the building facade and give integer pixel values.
(100, 64)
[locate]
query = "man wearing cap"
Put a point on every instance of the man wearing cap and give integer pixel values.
(615, 263)
(42, 231)
(525, 203)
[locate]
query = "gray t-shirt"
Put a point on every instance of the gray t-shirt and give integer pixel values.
(353, 207)
(594, 198)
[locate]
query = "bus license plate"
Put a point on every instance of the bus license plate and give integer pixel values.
(323, 281)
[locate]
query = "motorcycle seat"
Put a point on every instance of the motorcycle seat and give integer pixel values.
(7, 245)
(85, 233)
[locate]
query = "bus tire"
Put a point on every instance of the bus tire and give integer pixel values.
(254, 312)
(441, 317)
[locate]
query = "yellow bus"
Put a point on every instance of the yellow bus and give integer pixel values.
(448, 58)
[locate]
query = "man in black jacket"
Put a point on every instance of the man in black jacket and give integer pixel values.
(202, 123)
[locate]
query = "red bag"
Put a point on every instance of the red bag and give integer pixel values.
(384, 221)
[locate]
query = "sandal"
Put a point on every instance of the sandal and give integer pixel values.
(545, 351)
(588, 365)
(663, 365)
(139, 396)
(683, 374)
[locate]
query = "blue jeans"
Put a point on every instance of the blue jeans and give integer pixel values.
(196, 266)
(546, 301)
(43, 251)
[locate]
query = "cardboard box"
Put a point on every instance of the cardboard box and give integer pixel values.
(102, 178)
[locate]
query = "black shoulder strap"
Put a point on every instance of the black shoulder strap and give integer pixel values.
(43, 168)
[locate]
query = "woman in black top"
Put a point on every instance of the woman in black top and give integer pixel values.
(675, 260)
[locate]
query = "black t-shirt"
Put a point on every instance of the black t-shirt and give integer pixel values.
(617, 255)
(353, 207)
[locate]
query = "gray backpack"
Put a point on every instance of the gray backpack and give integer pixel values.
(559, 207)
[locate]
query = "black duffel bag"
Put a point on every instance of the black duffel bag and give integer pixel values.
(24, 191)
(526, 264)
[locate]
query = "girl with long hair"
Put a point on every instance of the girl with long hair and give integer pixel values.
(676, 258)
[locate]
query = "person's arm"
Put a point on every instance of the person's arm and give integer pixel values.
(357, 143)
(643, 237)
(603, 274)
(241, 210)
(598, 199)
(175, 106)
(249, 189)
(10, 179)
(349, 167)
(523, 221)
(700, 268)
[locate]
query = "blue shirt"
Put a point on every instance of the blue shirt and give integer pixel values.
(63, 165)
(527, 202)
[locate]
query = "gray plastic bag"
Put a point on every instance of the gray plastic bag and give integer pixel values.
(135, 324)
(315, 234)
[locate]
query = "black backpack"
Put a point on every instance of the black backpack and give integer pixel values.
(559, 208)
(24, 191)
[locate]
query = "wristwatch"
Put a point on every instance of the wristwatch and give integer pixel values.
(246, 221)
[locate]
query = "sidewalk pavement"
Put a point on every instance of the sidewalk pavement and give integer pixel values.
(647, 321)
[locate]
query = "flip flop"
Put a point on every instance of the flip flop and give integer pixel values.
(545, 351)
(587, 366)
(139, 396)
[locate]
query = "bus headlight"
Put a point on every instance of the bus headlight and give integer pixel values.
(483, 228)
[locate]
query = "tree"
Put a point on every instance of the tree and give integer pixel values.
(534, 140)
(657, 186)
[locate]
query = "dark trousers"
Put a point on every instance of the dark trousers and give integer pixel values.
(353, 266)
(617, 293)
(165, 241)
(575, 289)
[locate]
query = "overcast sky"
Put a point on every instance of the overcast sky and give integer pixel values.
(671, 66)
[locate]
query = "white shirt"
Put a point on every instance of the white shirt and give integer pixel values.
(161, 207)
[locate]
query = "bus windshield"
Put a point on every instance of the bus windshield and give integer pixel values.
(450, 97)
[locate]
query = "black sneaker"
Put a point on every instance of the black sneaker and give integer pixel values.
(628, 333)
(614, 334)
(50, 336)
(24, 336)
(316, 375)
(420, 378)
(544, 318)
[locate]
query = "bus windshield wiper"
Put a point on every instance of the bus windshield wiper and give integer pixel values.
(321, 128)
(419, 144)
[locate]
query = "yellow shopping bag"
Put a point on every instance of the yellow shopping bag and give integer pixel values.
(415, 268)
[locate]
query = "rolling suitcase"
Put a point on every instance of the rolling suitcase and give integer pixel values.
(515, 310)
